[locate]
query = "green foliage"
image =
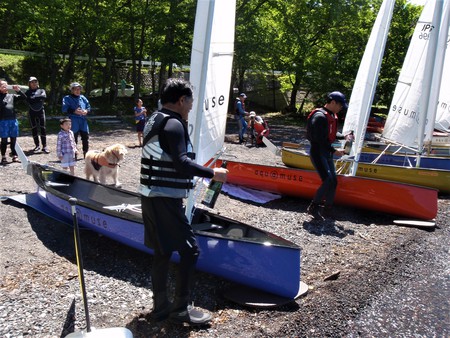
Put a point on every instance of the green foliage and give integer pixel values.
(10, 66)
(317, 45)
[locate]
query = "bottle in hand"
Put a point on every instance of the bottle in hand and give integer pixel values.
(213, 191)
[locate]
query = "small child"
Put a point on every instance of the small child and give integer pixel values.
(66, 148)
(139, 115)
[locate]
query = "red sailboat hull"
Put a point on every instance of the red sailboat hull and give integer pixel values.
(377, 195)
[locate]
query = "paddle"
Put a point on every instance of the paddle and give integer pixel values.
(110, 333)
(272, 147)
(76, 234)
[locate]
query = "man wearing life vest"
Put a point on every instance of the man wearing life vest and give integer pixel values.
(166, 177)
(321, 131)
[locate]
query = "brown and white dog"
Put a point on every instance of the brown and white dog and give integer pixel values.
(101, 164)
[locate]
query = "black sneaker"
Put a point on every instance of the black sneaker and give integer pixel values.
(161, 314)
(190, 316)
(36, 149)
(314, 210)
(45, 150)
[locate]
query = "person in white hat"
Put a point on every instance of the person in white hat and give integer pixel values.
(35, 98)
(259, 128)
(77, 106)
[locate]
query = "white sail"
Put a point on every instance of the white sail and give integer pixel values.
(211, 64)
(443, 108)
(408, 112)
(366, 80)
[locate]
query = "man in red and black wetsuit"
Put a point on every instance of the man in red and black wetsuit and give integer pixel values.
(321, 132)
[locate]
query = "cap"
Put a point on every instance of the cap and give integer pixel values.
(74, 85)
(243, 95)
(338, 97)
(252, 113)
(32, 78)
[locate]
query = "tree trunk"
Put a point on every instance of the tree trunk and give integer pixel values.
(293, 99)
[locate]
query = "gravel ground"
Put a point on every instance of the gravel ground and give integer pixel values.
(367, 277)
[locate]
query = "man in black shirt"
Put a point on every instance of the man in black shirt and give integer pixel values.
(321, 132)
(35, 97)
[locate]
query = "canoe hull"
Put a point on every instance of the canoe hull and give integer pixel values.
(229, 249)
(431, 178)
(382, 196)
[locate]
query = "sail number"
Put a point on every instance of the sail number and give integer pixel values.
(426, 30)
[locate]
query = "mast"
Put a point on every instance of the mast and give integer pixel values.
(431, 80)
(435, 90)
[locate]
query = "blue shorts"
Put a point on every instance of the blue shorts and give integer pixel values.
(79, 124)
(9, 128)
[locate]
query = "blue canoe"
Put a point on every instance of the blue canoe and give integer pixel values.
(402, 158)
(229, 249)
(428, 162)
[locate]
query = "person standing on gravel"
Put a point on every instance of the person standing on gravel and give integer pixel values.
(77, 106)
(321, 131)
(167, 171)
(240, 116)
(66, 148)
(140, 114)
(9, 126)
(35, 97)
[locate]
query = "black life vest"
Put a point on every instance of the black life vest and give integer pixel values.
(158, 174)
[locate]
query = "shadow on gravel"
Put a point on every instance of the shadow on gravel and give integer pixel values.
(326, 228)
(69, 323)
(143, 326)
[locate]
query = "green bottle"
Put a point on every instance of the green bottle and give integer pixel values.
(213, 191)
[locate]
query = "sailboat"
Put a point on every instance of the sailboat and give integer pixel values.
(409, 85)
(371, 194)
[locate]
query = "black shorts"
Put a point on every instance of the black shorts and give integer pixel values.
(140, 125)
